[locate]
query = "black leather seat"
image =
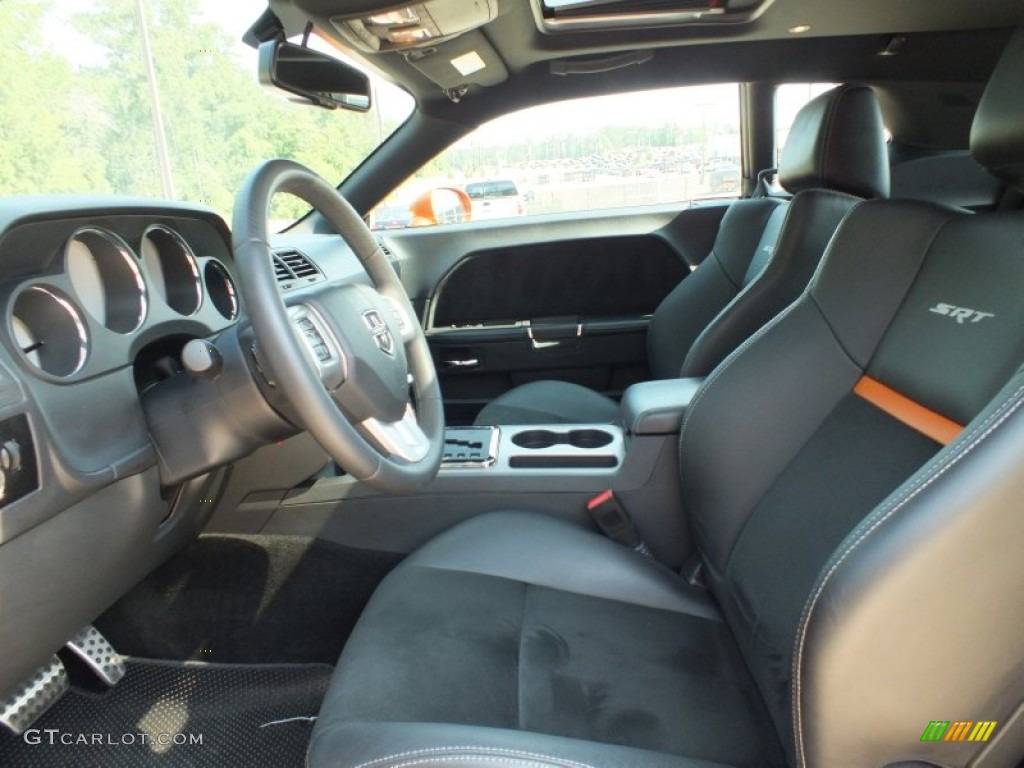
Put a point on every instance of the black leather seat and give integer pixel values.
(764, 255)
(853, 475)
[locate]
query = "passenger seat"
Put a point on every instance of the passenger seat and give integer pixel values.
(764, 255)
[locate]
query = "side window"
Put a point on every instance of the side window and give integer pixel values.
(645, 148)
(790, 99)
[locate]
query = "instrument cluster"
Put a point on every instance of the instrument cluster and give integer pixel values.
(104, 289)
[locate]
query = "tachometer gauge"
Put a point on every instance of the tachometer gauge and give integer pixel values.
(49, 331)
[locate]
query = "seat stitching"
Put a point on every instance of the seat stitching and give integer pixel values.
(756, 503)
(520, 580)
(910, 286)
(871, 524)
(435, 751)
(843, 92)
(724, 365)
(830, 112)
(775, 267)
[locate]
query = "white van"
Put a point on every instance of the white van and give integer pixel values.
(495, 199)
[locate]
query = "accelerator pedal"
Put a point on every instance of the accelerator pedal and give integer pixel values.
(96, 652)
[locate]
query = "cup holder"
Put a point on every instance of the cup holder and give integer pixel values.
(537, 439)
(534, 439)
(589, 438)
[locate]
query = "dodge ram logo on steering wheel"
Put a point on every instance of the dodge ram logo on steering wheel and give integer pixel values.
(381, 335)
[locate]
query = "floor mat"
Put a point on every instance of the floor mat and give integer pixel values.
(174, 715)
(248, 600)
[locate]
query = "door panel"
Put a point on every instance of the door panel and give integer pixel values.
(559, 297)
(593, 277)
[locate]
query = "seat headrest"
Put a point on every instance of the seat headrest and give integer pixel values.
(997, 135)
(838, 142)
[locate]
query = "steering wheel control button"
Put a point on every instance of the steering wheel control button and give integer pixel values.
(202, 359)
(312, 332)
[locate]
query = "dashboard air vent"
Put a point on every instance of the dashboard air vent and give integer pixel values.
(293, 264)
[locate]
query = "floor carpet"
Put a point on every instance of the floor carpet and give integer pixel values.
(248, 600)
(175, 715)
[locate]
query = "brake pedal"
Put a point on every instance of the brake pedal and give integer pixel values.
(98, 654)
(30, 700)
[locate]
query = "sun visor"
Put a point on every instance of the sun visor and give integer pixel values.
(464, 61)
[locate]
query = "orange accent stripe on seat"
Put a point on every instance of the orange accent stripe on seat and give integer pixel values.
(914, 415)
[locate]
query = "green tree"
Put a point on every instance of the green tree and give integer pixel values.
(44, 144)
(72, 123)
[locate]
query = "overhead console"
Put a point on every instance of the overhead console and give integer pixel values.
(440, 38)
(555, 16)
(416, 25)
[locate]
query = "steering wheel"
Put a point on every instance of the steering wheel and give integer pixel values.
(343, 354)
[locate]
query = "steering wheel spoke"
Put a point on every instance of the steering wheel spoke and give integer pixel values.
(399, 310)
(402, 439)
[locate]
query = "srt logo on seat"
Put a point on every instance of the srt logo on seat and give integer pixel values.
(381, 335)
(960, 314)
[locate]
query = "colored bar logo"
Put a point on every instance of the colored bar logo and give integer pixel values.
(959, 730)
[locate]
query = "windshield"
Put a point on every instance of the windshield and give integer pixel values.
(95, 101)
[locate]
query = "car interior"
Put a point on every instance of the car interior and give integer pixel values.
(729, 481)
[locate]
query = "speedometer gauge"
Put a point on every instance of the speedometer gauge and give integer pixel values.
(106, 279)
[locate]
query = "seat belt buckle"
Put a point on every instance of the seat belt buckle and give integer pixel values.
(615, 522)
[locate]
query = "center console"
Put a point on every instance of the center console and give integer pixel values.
(557, 448)
(555, 469)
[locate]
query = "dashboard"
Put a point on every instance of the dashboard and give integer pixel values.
(93, 297)
(99, 297)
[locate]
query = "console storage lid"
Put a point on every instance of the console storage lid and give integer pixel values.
(657, 407)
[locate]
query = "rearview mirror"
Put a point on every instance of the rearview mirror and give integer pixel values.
(323, 80)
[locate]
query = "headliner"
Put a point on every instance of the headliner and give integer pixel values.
(951, 46)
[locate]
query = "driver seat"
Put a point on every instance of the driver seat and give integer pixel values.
(853, 475)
